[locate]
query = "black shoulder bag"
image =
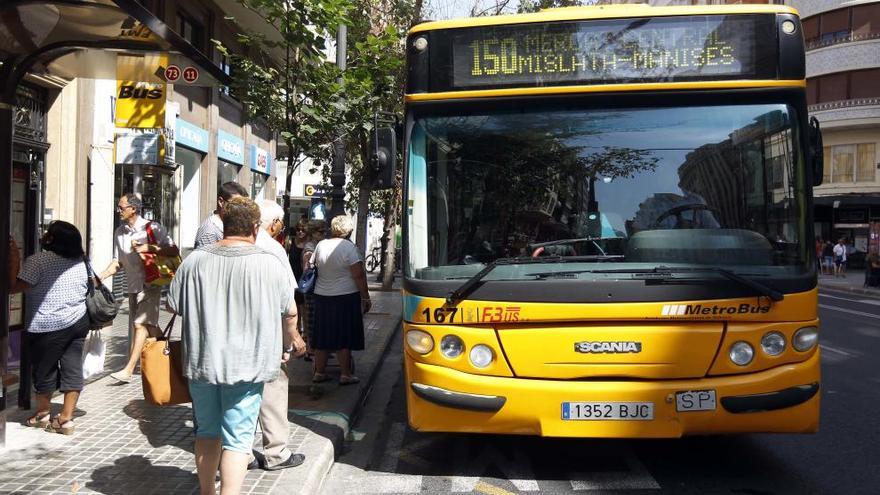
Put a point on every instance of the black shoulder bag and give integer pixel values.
(100, 303)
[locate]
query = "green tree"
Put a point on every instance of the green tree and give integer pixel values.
(283, 79)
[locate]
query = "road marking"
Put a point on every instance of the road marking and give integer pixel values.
(488, 489)
(850, 311)
(637, 478)
(515, 466)
(873, 302)
(392, 448)
(835, 350)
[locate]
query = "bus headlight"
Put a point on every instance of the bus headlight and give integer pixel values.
(481, 356)
(451, 346)
(773, 343)
(805, 339)
(741, 353)
(419, 341)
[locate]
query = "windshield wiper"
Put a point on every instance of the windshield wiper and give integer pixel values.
(469, 284)
(667, 271)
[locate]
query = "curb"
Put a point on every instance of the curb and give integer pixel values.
(326, 441)
(853, 290)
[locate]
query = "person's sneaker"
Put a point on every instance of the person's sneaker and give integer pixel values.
(293, 461)
(257, 462)
(121, 376)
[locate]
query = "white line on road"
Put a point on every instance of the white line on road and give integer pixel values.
(835, 350)
(850, 311)
(874, 302)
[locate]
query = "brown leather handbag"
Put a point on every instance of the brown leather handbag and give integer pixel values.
(162, 370)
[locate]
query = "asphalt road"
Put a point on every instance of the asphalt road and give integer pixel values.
(844, 457)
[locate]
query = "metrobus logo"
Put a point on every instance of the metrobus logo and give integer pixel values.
(701, 310)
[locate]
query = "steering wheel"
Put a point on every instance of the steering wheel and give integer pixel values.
(678, 210)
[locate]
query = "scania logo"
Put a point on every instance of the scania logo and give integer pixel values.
(608, 347)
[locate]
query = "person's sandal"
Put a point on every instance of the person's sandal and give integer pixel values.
(320, 377)
(55, 425)
(38, 421)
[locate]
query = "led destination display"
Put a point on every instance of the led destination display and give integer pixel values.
(585, 52)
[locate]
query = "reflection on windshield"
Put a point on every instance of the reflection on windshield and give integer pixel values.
(711, 186)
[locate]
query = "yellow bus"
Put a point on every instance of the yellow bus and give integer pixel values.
(608, 224)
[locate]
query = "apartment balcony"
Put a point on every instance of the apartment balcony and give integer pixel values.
(841, 57)
(853, 113)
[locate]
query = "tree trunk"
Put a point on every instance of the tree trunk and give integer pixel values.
(363, 214)
(391, 220)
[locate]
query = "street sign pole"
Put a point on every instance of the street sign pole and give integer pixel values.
(337, 174)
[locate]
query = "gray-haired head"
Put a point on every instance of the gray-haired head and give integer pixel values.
(269, 212)
(135, 202)
(341, 226)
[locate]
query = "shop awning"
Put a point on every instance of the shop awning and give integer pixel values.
(848, 200)
(83, 38)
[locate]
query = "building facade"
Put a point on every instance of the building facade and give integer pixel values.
(843, 93)
(71, 161)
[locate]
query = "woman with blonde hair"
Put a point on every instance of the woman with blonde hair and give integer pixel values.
(340, 300)
(315, 231)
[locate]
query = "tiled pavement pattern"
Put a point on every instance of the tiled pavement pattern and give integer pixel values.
(125, 446)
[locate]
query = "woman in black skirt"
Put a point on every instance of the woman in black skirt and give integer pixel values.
(340, 301)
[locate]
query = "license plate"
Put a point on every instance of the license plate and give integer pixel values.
(632, 411)
(695, 400)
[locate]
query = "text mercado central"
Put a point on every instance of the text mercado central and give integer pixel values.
(605, 51)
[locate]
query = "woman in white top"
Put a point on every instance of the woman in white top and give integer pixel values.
(340, 300)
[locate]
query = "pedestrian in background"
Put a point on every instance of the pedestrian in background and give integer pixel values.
(130, 239)
(828, 255)
(56, 281)
(340, 300)
(840, 258)
(238, 318)
(273, 410)
(316, 230)
(211, 230)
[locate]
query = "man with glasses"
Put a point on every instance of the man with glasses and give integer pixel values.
(129, 240)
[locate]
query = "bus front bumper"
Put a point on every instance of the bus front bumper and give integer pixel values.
(782, 399)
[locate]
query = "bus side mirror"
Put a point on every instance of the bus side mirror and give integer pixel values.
(817, 152)
(384, 155)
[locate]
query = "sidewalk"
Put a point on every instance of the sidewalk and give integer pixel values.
(124, 446)
(853, 282)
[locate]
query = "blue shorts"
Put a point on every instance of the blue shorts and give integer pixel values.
(227, 412)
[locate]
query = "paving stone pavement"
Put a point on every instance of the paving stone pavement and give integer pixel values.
(124, 446)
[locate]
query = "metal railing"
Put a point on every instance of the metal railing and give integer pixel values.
(840, 38)
(834, 105)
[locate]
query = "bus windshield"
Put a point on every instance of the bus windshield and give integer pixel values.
(639, 188)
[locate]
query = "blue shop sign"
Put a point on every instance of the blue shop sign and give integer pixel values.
(230, 148)
(191, 136)
(260, 160)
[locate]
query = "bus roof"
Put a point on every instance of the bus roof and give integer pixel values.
(601, 12)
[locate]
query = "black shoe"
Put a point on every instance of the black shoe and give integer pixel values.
(258, 462)
(293, 461)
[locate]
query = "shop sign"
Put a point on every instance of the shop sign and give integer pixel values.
(191, 136)
(230, 148)
(137, 148)
(140, 94)
(260, 160)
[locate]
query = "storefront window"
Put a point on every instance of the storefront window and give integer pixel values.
(850, 163)
(258, 185)
(865, 162)
(226, 172)
(842, 160)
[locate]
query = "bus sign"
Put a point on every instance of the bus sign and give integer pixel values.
(608, 51)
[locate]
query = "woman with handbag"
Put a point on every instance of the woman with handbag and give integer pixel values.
(56, 281)
(340, 300)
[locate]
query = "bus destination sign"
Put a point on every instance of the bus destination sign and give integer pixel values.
(609, 51)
